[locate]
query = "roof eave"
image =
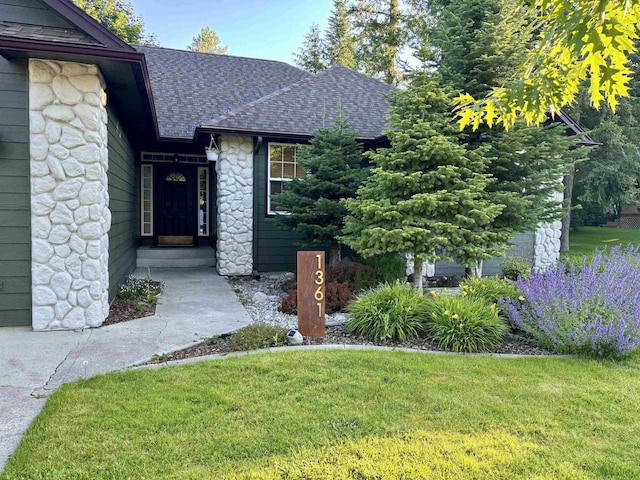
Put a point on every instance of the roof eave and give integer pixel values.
(37, 46)
(263, 132)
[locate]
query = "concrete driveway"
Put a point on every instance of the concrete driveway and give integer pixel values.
(197, 303)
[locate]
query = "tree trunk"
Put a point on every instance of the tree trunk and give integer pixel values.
(391, 48)
(475, 271)
(334, 254)
(417, 273)
(567, 181)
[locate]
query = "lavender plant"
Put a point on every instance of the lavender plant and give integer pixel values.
(588, 307)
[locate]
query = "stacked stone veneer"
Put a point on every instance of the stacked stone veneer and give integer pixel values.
(546, 244)
(70, 216)
(235, 206)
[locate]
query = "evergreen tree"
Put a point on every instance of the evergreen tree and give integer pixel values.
(207, 41)
(610, 177)
(382, 32)
(340, 41)
(427, 194)
(312, 56)
(332, 166)
(481, 44)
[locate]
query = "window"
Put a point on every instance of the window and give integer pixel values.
(175, 177)
(283, 166)
(146, 200)
(203, 201)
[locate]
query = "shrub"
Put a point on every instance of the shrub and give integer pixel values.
(257, 335)
(139, 288)
(356, 276)
(337, 297)
(489, 289)
(387, 268)
(591, 307)
(515, 267)
(289, 303)
(389, 312)
(463, 323)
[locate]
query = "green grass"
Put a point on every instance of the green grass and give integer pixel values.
(343, 414)
(587, 239)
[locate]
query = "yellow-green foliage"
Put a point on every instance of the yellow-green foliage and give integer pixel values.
(578, 40)
(464, 323)
(414, 455)
(488, 289)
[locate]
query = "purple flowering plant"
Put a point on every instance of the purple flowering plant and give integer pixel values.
(592, 306)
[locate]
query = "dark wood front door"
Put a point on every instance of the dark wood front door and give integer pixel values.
(176, 205)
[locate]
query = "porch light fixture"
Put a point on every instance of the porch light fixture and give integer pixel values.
(212, 151)
(176, 159)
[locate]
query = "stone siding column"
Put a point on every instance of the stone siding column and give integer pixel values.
(70, 217)
(235, 206)
(546, 244)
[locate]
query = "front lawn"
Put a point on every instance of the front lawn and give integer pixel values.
(343, 414)
(585, 240)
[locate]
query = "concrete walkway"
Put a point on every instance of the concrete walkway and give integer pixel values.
(197, 303)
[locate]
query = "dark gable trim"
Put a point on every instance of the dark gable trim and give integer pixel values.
(36, 46)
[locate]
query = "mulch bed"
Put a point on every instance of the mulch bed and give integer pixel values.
(124, 309)
(339, 336)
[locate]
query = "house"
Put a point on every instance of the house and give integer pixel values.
(102, 156)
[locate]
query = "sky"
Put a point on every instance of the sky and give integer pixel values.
(266, 29)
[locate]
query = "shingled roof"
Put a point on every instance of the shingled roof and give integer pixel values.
(305, 106)
(191, 88)
(45, 33)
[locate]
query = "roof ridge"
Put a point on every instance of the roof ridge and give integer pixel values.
(257, 101)
(349, 69)
(158, 47)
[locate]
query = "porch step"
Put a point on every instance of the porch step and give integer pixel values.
(176, 257)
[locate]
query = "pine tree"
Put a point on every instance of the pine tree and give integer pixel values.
(427, 194)
(332, 166)
(312, 56)
(340, 41)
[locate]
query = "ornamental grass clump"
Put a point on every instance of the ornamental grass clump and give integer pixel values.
(590, 307)
(389, 312)
(464, 324)
(489, 289)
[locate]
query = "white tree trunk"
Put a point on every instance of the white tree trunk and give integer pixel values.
(417, 272)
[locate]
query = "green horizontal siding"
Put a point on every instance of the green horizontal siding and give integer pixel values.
(274, 249)
(32, 12)
(123, 203)
(15, 208)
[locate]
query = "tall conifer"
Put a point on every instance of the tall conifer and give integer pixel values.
(333, 171)
(427, 193)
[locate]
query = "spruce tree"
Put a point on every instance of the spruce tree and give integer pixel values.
(481, 44)
(333, 171)
(427, 194)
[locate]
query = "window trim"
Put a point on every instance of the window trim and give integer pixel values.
(271, 212)
(207, 200)
(148, 166)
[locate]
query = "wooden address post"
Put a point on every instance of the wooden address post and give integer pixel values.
(311, 293)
